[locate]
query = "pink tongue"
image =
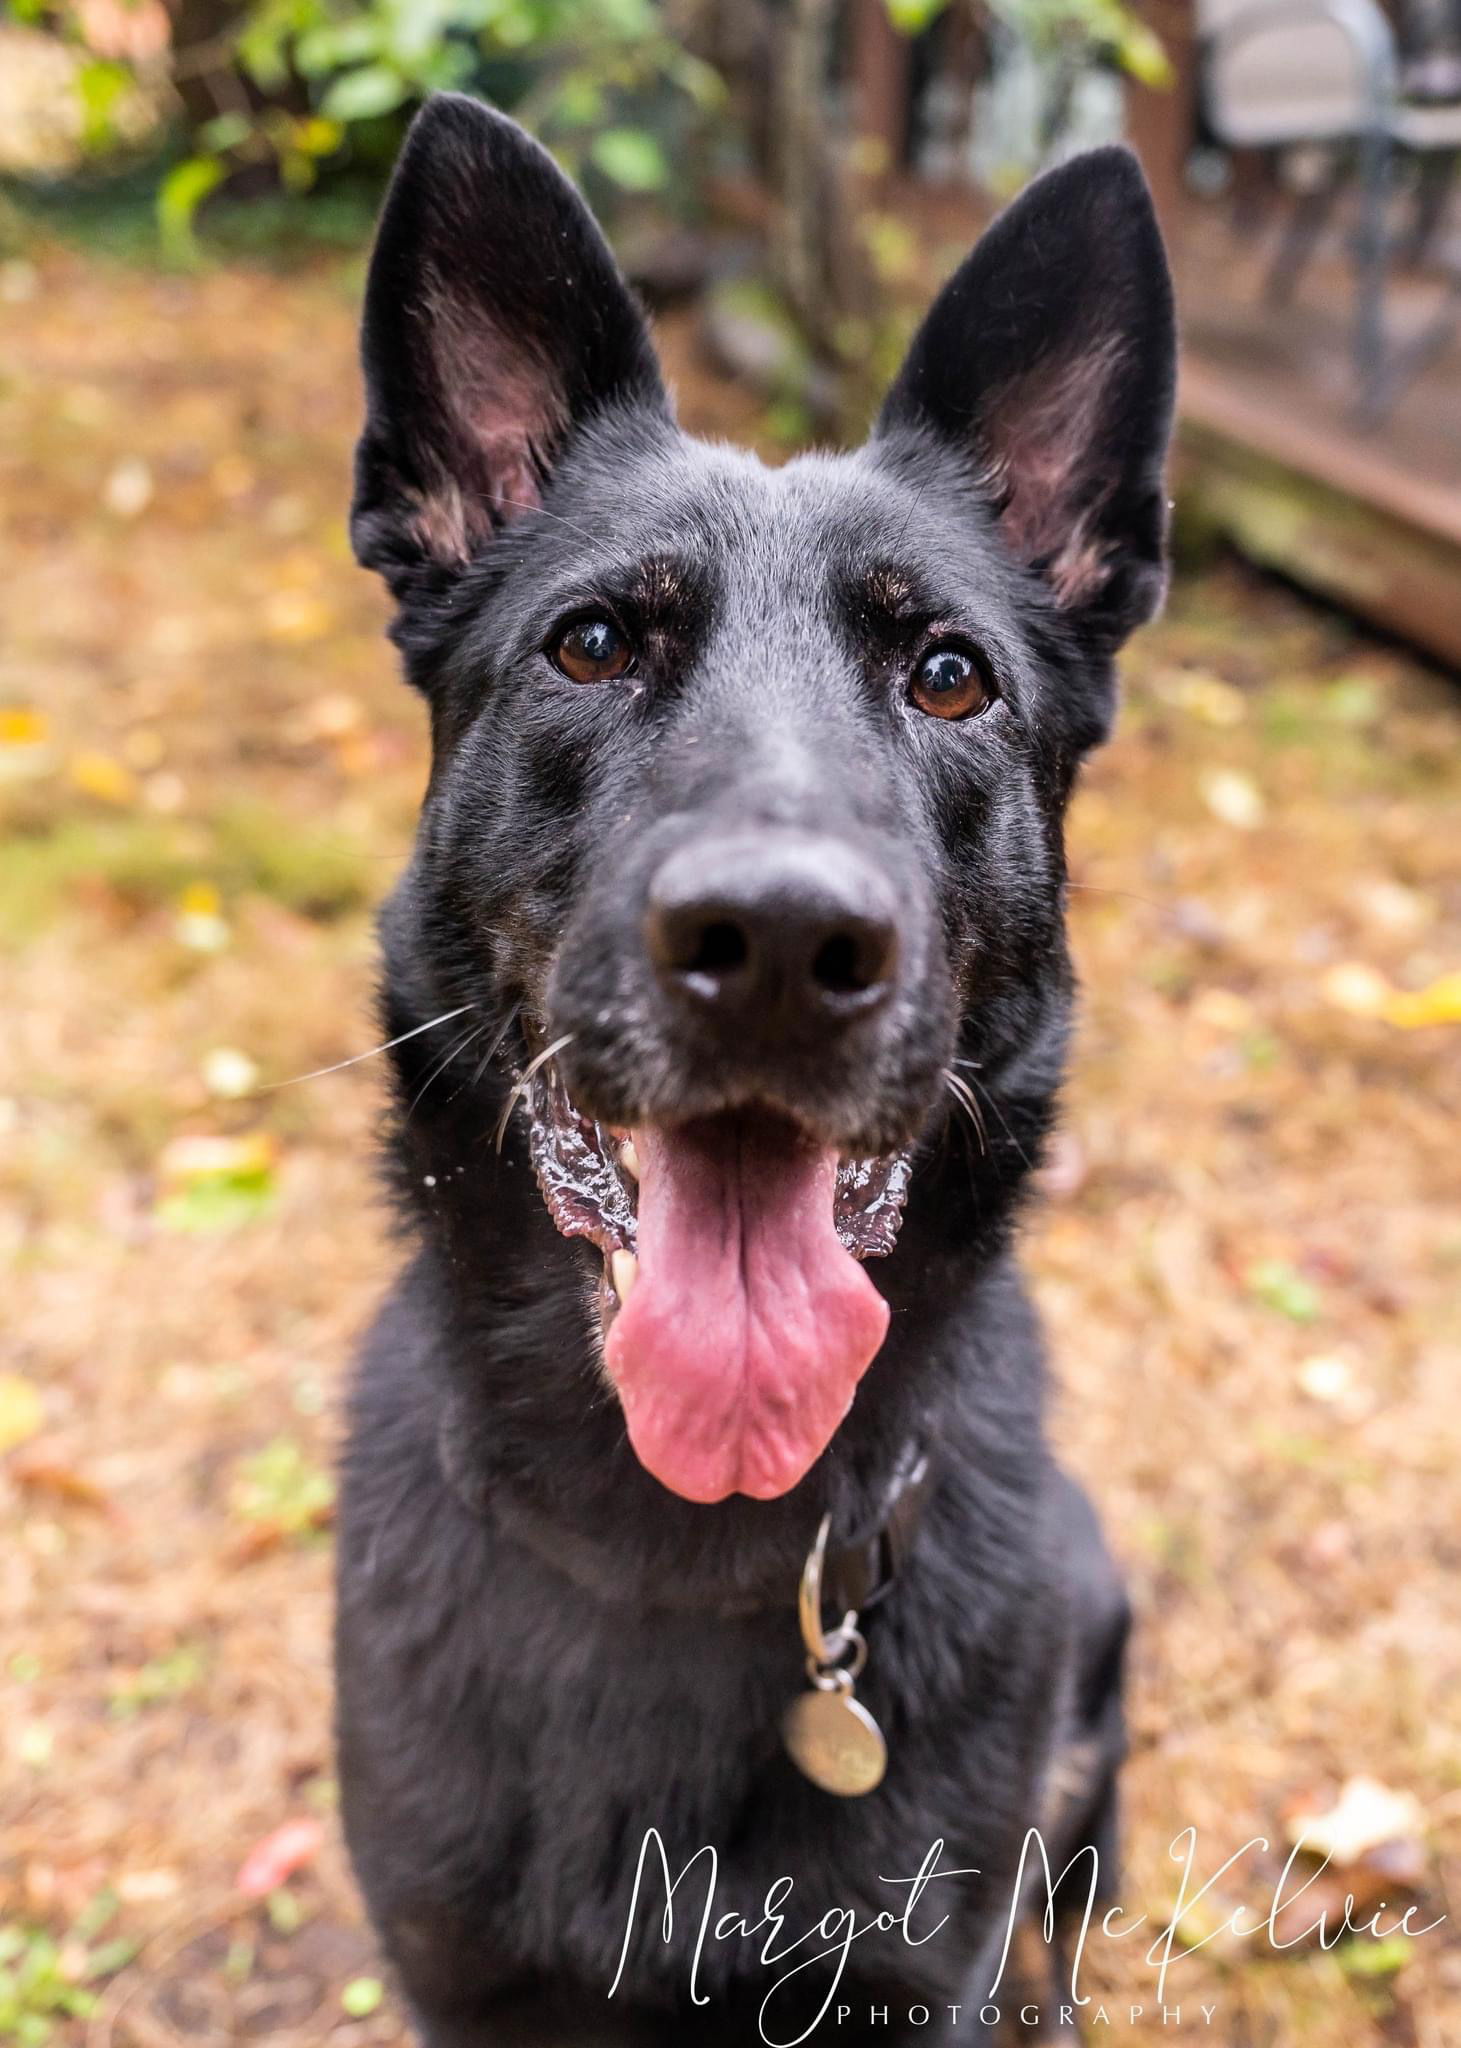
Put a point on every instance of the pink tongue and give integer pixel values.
(742, 1342)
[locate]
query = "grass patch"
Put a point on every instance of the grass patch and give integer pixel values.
(148, 862)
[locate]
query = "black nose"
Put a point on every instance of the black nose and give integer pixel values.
(774, 931)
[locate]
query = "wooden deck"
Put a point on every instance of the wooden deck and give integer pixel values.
(1272, 453)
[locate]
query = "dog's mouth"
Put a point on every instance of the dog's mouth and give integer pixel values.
(738, 1319)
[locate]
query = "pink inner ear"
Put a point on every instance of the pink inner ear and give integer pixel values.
(1046, 433)
(499, 409)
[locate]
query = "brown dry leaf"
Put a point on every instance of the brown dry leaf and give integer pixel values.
(40, 1473)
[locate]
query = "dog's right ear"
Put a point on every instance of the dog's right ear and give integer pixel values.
(496, 322)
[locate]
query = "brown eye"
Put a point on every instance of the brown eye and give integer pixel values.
(950, 682)
(592, 651)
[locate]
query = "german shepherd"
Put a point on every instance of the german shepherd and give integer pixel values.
(730, 991)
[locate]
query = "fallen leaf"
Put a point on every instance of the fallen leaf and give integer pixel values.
(291, 1846)
(21, 1410)
(1326, 1379)
(1350, 985)
(1282, 1287)
(127, 491)
(65, 1482)
(1365, 992)
(1206, 696)
(102, 777)
(215, 1183)
(200, 922)
(141, 1887)
(25, 743)
(1366, 1816)
(1439, 1003)
(1233, 798)
(361, 1997)
(229, 1073)
(1394, 907)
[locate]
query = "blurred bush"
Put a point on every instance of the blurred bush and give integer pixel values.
(259, 94)
(279, 92)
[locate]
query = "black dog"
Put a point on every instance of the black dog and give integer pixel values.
(739, 882)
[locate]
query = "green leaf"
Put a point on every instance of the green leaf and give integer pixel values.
(286, 1915)
(911, 17)
(224, 132)
(1370, 1958)
(1281, 1286)
(1142, 56)
(632, 158)
(361, 95)
(180, 195)
(101, 84)
(333, 44)
(362, 1996)
(110, 1956)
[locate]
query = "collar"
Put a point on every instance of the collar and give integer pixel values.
(856, 1576)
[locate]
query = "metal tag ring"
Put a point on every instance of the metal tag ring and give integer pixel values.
(822, 1649)
(830, 1674)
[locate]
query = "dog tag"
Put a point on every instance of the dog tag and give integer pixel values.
(833, 1740)
(829, 1734)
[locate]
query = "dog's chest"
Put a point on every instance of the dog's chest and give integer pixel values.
(658, 1831)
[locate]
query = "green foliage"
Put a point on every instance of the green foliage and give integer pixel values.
(296, 84)
(1107, 28)
(45, 1982)
(362, 1996)
(180, 195)
(279, 1486)
(1282, 1287)
(160, 1679)
(146, 862)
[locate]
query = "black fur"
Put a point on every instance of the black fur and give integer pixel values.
(542, 1653)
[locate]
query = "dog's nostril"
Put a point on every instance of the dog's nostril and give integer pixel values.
(721, 949)
(839, 968)
(777, 932)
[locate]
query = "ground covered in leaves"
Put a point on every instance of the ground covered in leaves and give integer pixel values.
(1249, 1250)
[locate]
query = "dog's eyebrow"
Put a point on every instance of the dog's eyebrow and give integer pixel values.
(892, 590)
(658, 582)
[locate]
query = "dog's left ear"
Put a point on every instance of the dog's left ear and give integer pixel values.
(1048, 363)
(496, 324)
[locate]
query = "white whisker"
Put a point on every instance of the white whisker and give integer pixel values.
(1010, 1137)
(961, 1095)
(523, 1080)
(443, 1063)
(354, 1061)
(525, 505)
(482, 1065)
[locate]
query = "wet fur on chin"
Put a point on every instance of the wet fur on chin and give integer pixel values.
(534, 1657)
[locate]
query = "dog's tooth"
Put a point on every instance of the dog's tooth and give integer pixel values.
(624, 1271)
(629, 1158)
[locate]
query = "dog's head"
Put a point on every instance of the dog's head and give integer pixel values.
(748, 784)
